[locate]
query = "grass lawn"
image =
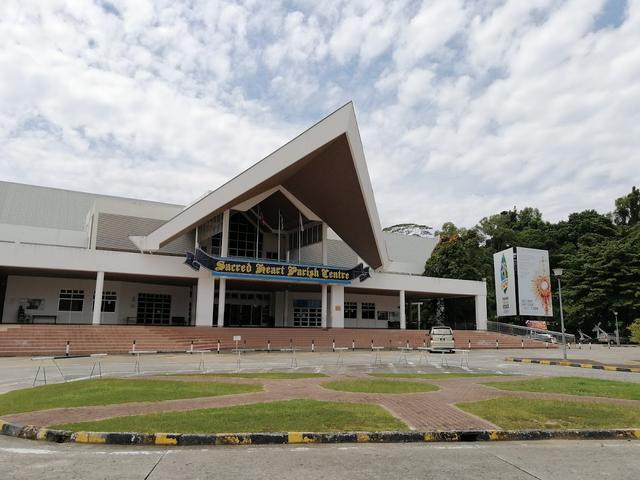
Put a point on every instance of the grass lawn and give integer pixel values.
(262, 375)
(105, 392)
(434, 376)
(290, 415)
(574, 386)
(379, 386)
(525, 413)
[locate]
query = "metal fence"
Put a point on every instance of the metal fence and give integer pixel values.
(528, 332)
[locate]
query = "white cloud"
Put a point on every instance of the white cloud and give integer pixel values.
(466, 108)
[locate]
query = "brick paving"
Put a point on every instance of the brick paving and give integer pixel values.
(420, 411)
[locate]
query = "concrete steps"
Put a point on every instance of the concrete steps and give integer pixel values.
(19, 340)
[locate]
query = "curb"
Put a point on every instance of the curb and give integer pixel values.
(566, 363)
(31, 432)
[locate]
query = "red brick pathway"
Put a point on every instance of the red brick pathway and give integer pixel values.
(421, 411)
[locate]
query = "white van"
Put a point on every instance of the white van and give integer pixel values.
(441, 339)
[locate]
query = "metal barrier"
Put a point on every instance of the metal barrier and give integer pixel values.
(528, 332)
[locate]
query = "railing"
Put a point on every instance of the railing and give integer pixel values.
(528, 332)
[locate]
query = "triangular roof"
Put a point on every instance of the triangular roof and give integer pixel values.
(323, 168)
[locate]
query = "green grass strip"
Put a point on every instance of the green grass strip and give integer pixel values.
(379, 386)
(574, 386)
(282, 416)
(261, 375)
(111, 391)
(434, 376)
(524, 413)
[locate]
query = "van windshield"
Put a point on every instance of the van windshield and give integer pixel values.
(441, 331)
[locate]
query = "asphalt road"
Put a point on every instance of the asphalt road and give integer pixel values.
(563, 460)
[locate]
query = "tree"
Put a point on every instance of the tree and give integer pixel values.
(627, 211)
(460, 254)
(634, 330)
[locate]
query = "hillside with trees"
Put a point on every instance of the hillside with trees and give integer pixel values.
(600, 255)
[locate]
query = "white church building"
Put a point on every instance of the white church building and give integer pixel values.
(294, 241)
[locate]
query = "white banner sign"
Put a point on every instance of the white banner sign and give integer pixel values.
(534, 282)
(505, 280)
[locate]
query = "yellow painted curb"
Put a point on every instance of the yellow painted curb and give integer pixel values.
(232, 440)
(610, 369)
(3, 423)
(428, 437)
(362, 437)
(493, 435)
(90, 437)
(164, 439)
(42, 434)
(586, 365)
(298, 437)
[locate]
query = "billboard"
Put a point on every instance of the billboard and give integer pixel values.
(534, 282)
(505, 280)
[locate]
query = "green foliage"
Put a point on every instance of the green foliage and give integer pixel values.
(283, 416)
(527, 413)
(574, 386)
(379, 386)
(599, 253)
(634, 330)
(627, 210)
(111, 391)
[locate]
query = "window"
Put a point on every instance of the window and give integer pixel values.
(153, 308)
(242, 237)
(350, 309)
(310, 234)
(108, 302)
(71, 301)
(368, 311)
(307, 313)
(272, 255)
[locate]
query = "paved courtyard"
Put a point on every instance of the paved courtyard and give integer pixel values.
(420, 411)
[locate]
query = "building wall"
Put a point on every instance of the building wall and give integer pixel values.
(382, 302)
(20, 288)
(113, 231)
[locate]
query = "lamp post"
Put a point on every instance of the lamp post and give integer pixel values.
(558, 273)
(617, 331)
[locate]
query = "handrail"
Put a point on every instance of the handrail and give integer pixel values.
(530, 332)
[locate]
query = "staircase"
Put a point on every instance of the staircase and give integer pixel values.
(28, 340)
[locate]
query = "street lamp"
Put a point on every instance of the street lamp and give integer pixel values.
(617, 331)
(558, 273)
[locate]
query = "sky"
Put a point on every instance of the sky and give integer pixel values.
(466, 108)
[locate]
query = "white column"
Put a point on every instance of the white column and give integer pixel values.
(224, 249)
(323, 315)
(325, 254)
(336, 310)
(205, 295)
(97, 301)
(481, 312)
(222, 296)
(403, 316)
(224, 252)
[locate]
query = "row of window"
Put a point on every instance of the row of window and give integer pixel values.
(310, 234)
(73, 301)
(368, 310)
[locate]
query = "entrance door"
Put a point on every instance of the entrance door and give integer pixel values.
(307, 313)
(153, 309)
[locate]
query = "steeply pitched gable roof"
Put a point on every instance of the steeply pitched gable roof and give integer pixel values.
(324, 168)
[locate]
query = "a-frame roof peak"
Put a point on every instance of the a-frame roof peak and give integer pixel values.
(324, 167)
